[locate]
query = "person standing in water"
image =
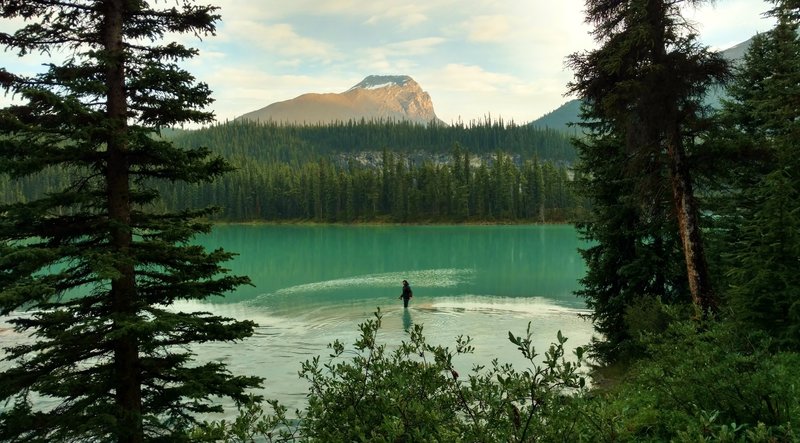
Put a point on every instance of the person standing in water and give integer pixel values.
(407, 293)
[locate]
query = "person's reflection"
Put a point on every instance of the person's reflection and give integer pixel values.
(406, 319)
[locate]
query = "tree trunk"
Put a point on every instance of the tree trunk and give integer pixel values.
(703, 296)
(123, 288)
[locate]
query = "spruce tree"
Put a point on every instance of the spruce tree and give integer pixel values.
(763, 215)
(646, 82)
(634, 255)
(89, 271)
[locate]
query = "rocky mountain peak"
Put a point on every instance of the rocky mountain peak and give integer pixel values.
(382, 81)
(376, 97)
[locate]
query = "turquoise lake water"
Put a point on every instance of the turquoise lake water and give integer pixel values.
(314, 284)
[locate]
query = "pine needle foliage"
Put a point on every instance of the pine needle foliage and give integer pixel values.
(762, 216)
(643, 112)
(88, 274)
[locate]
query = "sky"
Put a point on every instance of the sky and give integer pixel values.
(476, 58)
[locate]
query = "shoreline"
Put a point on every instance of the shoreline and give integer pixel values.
(387, 223)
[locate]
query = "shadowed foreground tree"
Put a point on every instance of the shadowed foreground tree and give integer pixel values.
(644, 87)
(89, 276)
(762, 217)
(634, 257)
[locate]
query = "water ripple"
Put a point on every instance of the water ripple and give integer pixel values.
(429, 278)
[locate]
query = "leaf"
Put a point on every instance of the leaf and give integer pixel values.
(513, 339)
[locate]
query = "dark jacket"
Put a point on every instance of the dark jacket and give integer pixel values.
(407, 293)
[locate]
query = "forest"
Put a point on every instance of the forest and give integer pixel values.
(398, 191)
(396, 172)
(691, 216)
(272, 142)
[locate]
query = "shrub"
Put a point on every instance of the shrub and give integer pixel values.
(414, 394)
(717, 384)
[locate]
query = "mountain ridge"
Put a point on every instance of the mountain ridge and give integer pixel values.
(376, 97)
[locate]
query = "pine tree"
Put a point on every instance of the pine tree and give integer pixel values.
(95, 272)
(647, 80)
(634, 249)
(764, 214)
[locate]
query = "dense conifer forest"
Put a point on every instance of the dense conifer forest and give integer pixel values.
(272, 142)
(370, 172)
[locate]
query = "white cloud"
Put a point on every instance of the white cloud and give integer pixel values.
(471, 92)
(405, 48)
(213, 55)
(234, 10)
(724, 25)
(406, 15)
(472, 78)
(265, 53)
(488, 28)
(237, 91)
(396, 58)
(380, 61)
(415, 47)
(282, 39)
(375, 60)
(290, 63)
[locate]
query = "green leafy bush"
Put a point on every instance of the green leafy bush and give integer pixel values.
(717, 384)
(414, 394)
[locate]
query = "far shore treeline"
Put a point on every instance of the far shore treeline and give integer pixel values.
(370, 171)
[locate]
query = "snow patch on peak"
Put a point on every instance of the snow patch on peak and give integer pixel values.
(382, 81)
(378, 86)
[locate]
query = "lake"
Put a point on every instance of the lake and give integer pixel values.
(313, 284)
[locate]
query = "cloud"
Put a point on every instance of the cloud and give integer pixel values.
(472, 92)
(399, 57)
(723, 26)
(405, 15)
(488, 28)
(290, 63)
(236, 10)
(237, 91)
(377, 62)
(406, 48)
(415, 47)
(473, 56)
(473, 78)
(210, 56)
(280, 38)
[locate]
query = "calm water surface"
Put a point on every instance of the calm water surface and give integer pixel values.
(313, 284)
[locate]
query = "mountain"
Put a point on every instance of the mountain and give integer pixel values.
(736, 53)
(569, 112)
(561, 117)
(377, 97)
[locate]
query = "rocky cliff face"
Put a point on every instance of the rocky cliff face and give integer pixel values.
(377, 97)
